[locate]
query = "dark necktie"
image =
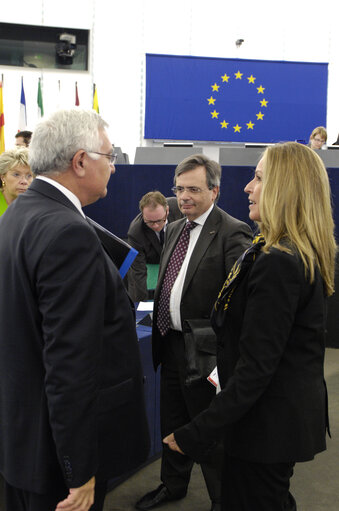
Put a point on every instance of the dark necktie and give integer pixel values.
(161, 237)
(173, 268)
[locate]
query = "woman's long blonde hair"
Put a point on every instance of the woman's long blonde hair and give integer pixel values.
(295, 206)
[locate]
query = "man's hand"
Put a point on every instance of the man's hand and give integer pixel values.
(170, 441)
(79, 499)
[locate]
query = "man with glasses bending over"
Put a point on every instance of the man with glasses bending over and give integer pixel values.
(72, 408)
(198, 254)
(146, 234)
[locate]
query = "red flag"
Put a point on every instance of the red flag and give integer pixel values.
(77, 102)
(2, 122)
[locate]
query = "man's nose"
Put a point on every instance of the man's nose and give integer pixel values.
(186, 194)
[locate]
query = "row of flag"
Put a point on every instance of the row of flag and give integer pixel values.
(23, 112)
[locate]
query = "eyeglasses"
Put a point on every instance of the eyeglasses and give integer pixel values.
(319, 140)
(112, 157)
(153, 222)
(20, 175)
(178, 190)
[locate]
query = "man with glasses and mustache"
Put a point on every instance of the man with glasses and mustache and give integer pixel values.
(146, 234)
(198, 254)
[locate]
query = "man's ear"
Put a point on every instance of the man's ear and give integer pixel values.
(215, 193)
(78, 163)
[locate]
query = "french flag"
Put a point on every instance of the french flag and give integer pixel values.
(23, 113)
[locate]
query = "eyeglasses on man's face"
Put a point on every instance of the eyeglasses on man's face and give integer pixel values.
(178, 190)
(112, 156)
(155, 222)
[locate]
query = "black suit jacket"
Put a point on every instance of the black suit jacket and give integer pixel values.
(71, 395)
(221, 241)
(147, 243)
(273, 403)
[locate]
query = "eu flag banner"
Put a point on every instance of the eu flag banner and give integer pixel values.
(236, 100)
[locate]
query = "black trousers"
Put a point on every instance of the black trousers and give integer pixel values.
(248, 486)
(178, 405)
(21, 500)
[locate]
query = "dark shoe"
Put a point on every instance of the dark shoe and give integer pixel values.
(155, 498)
(216, 506)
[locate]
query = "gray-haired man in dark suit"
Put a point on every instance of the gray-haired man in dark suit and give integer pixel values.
(71, 396)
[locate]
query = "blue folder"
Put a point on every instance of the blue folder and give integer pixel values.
(121, 253)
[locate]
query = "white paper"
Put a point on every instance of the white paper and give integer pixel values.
(145, 306)
(213, 378)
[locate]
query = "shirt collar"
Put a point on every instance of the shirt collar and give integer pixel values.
(70, 195)
(202, 218)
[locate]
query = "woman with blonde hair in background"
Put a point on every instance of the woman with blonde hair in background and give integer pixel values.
(15, 174)
(270, 320)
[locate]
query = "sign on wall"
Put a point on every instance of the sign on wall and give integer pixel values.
(236, 100)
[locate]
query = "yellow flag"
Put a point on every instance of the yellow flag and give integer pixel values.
(95, 100)
(2, 122)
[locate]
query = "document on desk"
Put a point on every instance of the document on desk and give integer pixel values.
(145, 306)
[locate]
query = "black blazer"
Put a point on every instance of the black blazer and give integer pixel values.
(221, 241)
(273, 403)
(147, 243)
(71, 391)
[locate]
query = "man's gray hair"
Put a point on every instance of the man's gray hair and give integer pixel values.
(56, 139)
(213, 169)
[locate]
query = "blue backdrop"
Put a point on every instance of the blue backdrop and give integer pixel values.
(131, 182)
(197, 98)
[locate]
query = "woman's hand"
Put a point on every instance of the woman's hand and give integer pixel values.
(170, 441)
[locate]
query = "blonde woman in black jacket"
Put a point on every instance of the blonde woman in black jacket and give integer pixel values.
(269, 319)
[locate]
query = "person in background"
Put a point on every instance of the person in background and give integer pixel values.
(318, 138)
(15, 174)
(146, 234)
(198, 254)
(270, 320)
(23, 138)
(72, 396)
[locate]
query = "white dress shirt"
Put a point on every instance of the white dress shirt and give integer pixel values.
(175, 299)
(70, 195)
(163, 229)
